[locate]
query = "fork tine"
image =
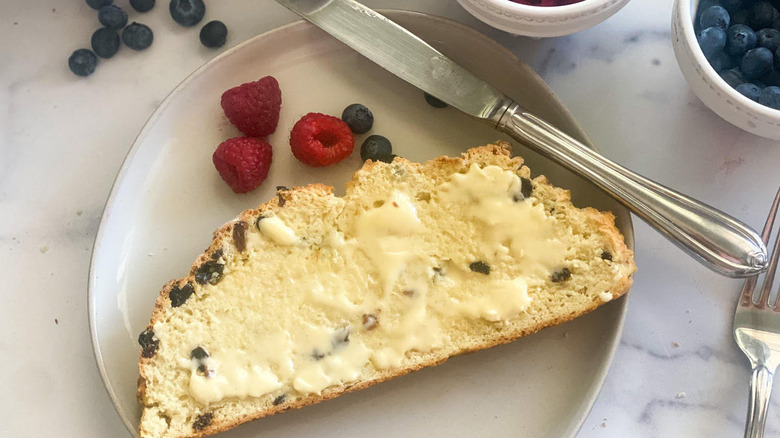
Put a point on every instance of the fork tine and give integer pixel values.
(766, 288)
(770, 275)
(770, 221)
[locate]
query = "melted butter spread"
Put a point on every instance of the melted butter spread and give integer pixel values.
(234, 375)
(276, 230)
(502, 299)
(384, 266)
(388, 236)
(521, 230)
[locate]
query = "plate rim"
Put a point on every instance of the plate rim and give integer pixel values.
(600, 376)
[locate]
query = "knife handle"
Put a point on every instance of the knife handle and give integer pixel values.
(716, 239)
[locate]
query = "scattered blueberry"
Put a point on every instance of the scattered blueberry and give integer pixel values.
(137, 36)
(714, 16)
(712, 40)
(769, 38)
(213, 34)
(756, 62)
(434, 102)
(762, 14)
(142, 5)
(82, 62)
(105, 42)
(187, 12)
(358, 118)
(739, 39)
(113, 17)
(97, 4)
(751, 91)
(770, 96)
(733, 77)
(376, 147)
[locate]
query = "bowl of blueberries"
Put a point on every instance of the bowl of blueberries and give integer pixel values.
(729, 51)
(542, 18)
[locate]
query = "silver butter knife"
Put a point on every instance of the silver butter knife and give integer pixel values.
(719, 241)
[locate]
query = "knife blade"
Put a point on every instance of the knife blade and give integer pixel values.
(403, 54)
(719, 241)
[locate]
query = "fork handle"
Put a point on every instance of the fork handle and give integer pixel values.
(719, 241)
(760, 390)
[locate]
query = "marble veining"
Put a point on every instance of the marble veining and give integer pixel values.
(677, 372)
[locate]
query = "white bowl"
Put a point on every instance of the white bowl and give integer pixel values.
(542, 21)
(709, 86)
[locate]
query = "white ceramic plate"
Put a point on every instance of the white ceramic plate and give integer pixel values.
(168, 199)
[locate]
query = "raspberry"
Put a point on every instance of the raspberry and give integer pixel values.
(320, 140)
(243, 162)
(254, 107)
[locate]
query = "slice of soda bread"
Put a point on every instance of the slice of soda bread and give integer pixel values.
(310, 296)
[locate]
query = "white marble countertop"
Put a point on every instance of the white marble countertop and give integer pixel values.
(677, 371)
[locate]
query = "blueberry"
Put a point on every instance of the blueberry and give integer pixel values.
(142, 5)
(751, 91)
(777, 59)
(772, 78)
(113, 17)
(187, 12)
(733, 77)
(703, 6)
(82, 62)
(213, 34)
(739, 39)
(434, 102)
(731, 6)
(712, 40)
(375, 147)
(137, 36)
(769, 38)
(105, 42)
(358, 118)
(97, 4)
(742, 16)
(770, 96)
(714, 16)
(721, 61)
(762, 14)
(756, 62)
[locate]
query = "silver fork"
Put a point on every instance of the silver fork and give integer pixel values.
(757, 332)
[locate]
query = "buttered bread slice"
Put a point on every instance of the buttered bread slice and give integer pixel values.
(311, 295)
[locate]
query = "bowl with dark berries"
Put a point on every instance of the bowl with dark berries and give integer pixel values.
(729, 51)
(542, 18)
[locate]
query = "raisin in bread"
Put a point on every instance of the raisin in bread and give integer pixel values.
(311, 296)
